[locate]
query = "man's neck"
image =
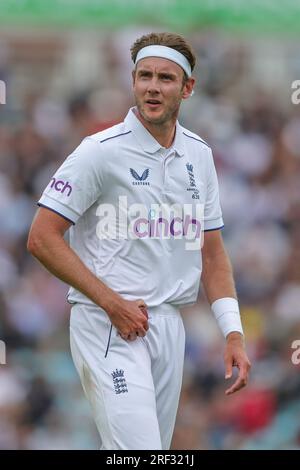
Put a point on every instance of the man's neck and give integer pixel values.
(163, 133)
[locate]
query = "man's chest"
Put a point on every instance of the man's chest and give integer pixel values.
(166, 180)
(153, 198)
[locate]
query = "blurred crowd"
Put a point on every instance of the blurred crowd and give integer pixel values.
(62, 86)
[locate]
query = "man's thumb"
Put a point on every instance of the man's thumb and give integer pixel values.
(141, 303)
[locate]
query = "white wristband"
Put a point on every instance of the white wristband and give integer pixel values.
(227, 314)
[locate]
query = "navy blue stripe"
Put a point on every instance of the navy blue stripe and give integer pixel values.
(114, 136)
(198, 140)
(211, 229)
(108, 342)
(58, 213)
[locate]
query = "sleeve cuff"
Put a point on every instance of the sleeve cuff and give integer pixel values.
(58, 207)
(213, 224)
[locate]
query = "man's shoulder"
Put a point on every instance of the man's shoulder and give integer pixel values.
(194, 139)
(111, 134)
(102, 144)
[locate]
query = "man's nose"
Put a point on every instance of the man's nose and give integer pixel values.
(153, 86)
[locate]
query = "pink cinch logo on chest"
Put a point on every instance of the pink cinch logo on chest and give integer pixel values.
(61, 186)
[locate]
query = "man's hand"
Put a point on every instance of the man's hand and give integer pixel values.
(236, 356)
(129, 317)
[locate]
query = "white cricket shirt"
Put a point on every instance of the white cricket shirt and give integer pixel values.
(118, 188)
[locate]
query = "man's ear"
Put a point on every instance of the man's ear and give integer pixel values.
(133, 76)
(188, 88)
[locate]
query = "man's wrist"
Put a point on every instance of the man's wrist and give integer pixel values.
(110, 300)
(235, 336)
(227, 314)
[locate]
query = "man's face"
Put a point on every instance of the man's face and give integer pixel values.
(158, 89)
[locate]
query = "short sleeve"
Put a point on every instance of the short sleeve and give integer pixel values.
(77, 184)
(212, 209)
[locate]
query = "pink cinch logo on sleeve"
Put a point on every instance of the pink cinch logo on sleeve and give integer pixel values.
(61, 186)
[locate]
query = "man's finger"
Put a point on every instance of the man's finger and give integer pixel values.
(240, 382)
(123, 336)
(132, 337)
(142, 332)
(228, 368)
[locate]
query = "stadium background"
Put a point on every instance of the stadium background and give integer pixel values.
(67, 69)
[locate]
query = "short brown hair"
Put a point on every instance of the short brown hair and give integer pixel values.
(175, 41)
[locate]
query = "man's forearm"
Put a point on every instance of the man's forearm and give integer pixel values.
(217, 277)
(56, 255)
(219, 287)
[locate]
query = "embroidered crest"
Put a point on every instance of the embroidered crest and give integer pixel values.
(119, 381)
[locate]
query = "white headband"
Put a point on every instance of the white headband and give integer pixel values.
(166, 53)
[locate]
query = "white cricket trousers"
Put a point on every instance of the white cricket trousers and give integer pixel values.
(133, 387)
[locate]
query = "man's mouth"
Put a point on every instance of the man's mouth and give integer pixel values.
(153, 102)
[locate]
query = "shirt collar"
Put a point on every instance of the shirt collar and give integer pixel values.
(146, 140)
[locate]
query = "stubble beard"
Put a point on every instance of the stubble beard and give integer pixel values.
(168, 115)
